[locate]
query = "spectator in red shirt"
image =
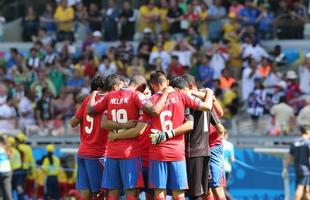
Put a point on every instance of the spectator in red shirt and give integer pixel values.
(175, 67)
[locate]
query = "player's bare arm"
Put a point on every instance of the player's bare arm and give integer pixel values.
(216, 106)
(92, 102)
(74, 122)
(154, 110)
(112, 125)
(207, 104)
(129, 133)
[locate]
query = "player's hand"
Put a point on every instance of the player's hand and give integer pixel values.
(112, 136)
(94, 93)
(209, 91)
(284, 173)
(157, 136)
(169, 89)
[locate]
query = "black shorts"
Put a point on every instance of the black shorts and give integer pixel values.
(303, 180)
(197, 175)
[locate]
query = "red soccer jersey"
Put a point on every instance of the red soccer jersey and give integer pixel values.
(122, 106)
(93, 139)
(145, 142)
(172, 116)
(214, 138)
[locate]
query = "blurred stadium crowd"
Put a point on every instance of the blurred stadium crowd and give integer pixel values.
(216, 41)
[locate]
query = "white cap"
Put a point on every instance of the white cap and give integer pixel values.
(147, 30)
(281, 84)
(291, 74)
(97, 34)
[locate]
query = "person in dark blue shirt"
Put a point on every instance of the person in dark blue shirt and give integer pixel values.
(205, 72)
(248, 14)
(299, 154)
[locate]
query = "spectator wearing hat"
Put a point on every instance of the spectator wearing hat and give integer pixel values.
(149, 16)
(293, 90)
(110, 22)
(28, 164)
(64, 16)
(50, 166)
(304, 75)
(98, 46)
(283, 116)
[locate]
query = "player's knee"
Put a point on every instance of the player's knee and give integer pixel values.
(131, 194)
(178, 195)
(159, 193)
(299, 192)
(85, 194)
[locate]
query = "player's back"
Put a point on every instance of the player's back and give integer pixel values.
(122, 106)
(93, 138)
(172, 116)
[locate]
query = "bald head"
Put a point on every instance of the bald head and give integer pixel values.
(138, 82)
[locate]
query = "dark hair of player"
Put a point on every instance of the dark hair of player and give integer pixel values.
(179, 82)
(97, 83)
(112, 80)
(158, 77)
(304, 128)
(190, 79)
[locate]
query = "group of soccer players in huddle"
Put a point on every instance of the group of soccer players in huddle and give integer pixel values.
(165, 143)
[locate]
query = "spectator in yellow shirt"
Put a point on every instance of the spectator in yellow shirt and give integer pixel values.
(149, 16)
(16, 164)
(163, 11)
(64, 16)
(51, 166)
(28, 164)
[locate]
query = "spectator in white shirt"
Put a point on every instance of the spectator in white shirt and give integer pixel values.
(184, 51)
(248, 76)
(34, 61)
(283, 115)
(304, 75)
(253, 50)
(106, 67)
(161, 54)
(7, 113)
(303, 117)
(219, 57)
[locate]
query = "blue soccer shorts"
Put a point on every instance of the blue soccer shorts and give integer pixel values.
(168, 175)
(217, 170)
(89, 173)
(122, 174)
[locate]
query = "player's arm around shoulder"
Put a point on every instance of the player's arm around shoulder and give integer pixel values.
(155, 109)
(207, 104)
(129, 133)
(74, 122)
(111, 125)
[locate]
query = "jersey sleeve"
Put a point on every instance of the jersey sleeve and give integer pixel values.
(102, 104)
(190, 101)
(140, 99)
(79, 113)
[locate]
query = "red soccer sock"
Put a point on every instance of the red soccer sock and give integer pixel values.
(131, 197)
